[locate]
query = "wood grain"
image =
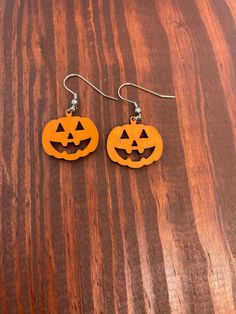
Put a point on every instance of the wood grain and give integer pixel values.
(91, 236)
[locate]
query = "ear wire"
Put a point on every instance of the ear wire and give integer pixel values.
(74, 101)
(137, 109)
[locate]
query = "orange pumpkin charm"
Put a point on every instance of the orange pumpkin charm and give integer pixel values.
(70, 137)
(134, 145)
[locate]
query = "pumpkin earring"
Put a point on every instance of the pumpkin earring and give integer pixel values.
(135, 145)
(71, 137)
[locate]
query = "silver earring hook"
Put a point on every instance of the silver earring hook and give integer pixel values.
(74, 101)
(137, 109)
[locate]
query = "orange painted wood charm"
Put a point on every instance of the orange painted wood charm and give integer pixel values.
(134, 145)
(70, 137)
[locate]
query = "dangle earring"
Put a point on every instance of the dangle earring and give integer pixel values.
(71, 137)
(135, 145)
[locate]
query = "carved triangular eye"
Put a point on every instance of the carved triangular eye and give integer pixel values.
(60, 128)
(143, 134)
(79, 126)
(124, 135)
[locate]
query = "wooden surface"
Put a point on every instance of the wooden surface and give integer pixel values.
(91, 236)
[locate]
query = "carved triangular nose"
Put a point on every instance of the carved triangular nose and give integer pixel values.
(70, 136)
(134, 143)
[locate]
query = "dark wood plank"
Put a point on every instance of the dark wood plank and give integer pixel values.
(93, 237)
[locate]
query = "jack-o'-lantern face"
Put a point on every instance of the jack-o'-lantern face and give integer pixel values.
(134, 145)
(70, 137)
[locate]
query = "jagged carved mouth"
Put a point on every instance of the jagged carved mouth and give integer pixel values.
(135, 155)
(70, 148)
